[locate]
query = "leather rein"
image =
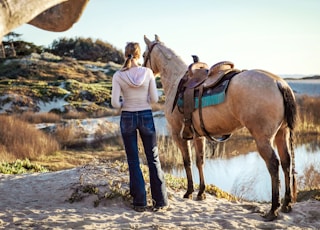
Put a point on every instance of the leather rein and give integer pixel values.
(148, 57)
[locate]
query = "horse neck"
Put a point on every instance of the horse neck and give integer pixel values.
(171, 71)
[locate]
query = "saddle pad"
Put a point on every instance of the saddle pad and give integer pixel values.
(211, 96)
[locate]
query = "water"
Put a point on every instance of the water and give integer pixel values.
(309, 87)
(246, 175)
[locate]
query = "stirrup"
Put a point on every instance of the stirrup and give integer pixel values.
(187, 133)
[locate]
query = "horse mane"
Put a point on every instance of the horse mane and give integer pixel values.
(174, 70)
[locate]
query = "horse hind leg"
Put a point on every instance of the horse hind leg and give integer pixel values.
(272, 162)
(287, 163)
(199, 144)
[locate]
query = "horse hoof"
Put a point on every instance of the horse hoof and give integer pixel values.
(188, 196)
(270, 216)
(201, 197)
(286, 209)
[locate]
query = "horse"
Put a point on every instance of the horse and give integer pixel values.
(256, 99)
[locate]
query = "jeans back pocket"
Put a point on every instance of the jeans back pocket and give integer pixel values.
(127, 123)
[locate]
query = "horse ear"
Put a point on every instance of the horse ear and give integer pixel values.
(146, 40)
(157, 38)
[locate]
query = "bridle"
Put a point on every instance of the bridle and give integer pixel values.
(148, 57)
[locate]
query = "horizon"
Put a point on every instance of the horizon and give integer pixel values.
(265, 35)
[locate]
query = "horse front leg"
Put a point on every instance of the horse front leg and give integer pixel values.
(267, 153)
(199, 144)
(184, 147)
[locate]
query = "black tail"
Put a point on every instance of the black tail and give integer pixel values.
(291, 116)
(290, 105)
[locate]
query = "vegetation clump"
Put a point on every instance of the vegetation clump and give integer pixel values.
(21, 166)
(86, 49)
(20, 140)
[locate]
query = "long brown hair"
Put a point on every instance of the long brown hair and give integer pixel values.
(132, 50)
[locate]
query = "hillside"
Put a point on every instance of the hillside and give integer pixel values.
(43, 83)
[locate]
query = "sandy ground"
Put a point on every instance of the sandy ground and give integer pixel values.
(41, 201)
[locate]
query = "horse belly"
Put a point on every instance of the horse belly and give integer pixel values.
(217, 120)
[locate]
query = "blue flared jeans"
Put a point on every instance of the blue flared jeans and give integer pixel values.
(130, 124)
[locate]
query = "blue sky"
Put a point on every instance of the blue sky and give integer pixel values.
(281, 36)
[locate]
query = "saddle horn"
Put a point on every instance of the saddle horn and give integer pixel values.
(196, 65)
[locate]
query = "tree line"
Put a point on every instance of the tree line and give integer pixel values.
(78, 48)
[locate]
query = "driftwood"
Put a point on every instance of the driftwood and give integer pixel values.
(51, 15)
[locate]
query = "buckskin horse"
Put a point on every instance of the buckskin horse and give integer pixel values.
(256, 99)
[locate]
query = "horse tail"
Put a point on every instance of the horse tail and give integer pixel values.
(291, 117)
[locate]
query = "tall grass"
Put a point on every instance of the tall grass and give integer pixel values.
(20, 140)
(309, 111)
(36, 118)
(310, 178)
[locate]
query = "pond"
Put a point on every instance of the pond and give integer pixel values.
(246, 175)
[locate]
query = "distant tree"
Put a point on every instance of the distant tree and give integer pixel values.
(2, 51)
(9, 43)
(13, 46)
(23, 48)
(87, 49)
(63, 47)
(26, 48)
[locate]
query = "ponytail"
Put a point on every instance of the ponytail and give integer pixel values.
(127, 63)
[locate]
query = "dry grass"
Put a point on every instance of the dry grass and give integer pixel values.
(36, 118)
(66, 135)
(309, 110)
(309, 183)
(20, 140)
(67, 159)
(74, 115)
(310, 178)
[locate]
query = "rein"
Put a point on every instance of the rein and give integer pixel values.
(148, 57)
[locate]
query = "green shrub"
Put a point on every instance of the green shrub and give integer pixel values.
(21, 166)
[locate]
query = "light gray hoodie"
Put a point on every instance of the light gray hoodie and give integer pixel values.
(137, 87)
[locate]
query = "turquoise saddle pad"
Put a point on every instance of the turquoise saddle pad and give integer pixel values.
(211, 96)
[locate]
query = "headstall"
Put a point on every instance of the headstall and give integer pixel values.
(148, 57)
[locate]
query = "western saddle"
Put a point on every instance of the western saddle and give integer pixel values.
(196, 80)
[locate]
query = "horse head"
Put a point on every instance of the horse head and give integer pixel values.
(165, 63)
(149, 56)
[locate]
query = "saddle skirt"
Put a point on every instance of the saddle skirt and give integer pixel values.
(210, 96)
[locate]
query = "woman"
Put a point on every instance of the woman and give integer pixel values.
(137, 87)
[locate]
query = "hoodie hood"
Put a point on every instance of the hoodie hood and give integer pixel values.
(134, 76)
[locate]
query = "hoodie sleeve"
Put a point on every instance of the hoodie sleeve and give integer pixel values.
(153, 92)
(116, 91)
